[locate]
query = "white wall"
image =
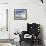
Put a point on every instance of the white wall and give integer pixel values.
(3, 1)
(35, 13)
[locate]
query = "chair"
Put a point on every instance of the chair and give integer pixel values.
(33, 30)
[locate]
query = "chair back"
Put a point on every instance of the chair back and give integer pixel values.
(33, 28)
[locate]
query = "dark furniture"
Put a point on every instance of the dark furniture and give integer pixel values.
(33, 30)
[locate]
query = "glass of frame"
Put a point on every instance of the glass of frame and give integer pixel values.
(20, 14)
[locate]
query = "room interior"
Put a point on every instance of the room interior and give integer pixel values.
(17, 14)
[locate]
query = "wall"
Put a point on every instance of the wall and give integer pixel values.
(3, 1)
(35, 13)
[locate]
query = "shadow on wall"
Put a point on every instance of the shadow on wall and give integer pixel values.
(41, 34)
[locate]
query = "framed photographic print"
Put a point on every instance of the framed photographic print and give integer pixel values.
(20, 14)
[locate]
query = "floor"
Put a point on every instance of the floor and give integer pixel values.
(26, 44)
(23, 44)
(5, 44)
